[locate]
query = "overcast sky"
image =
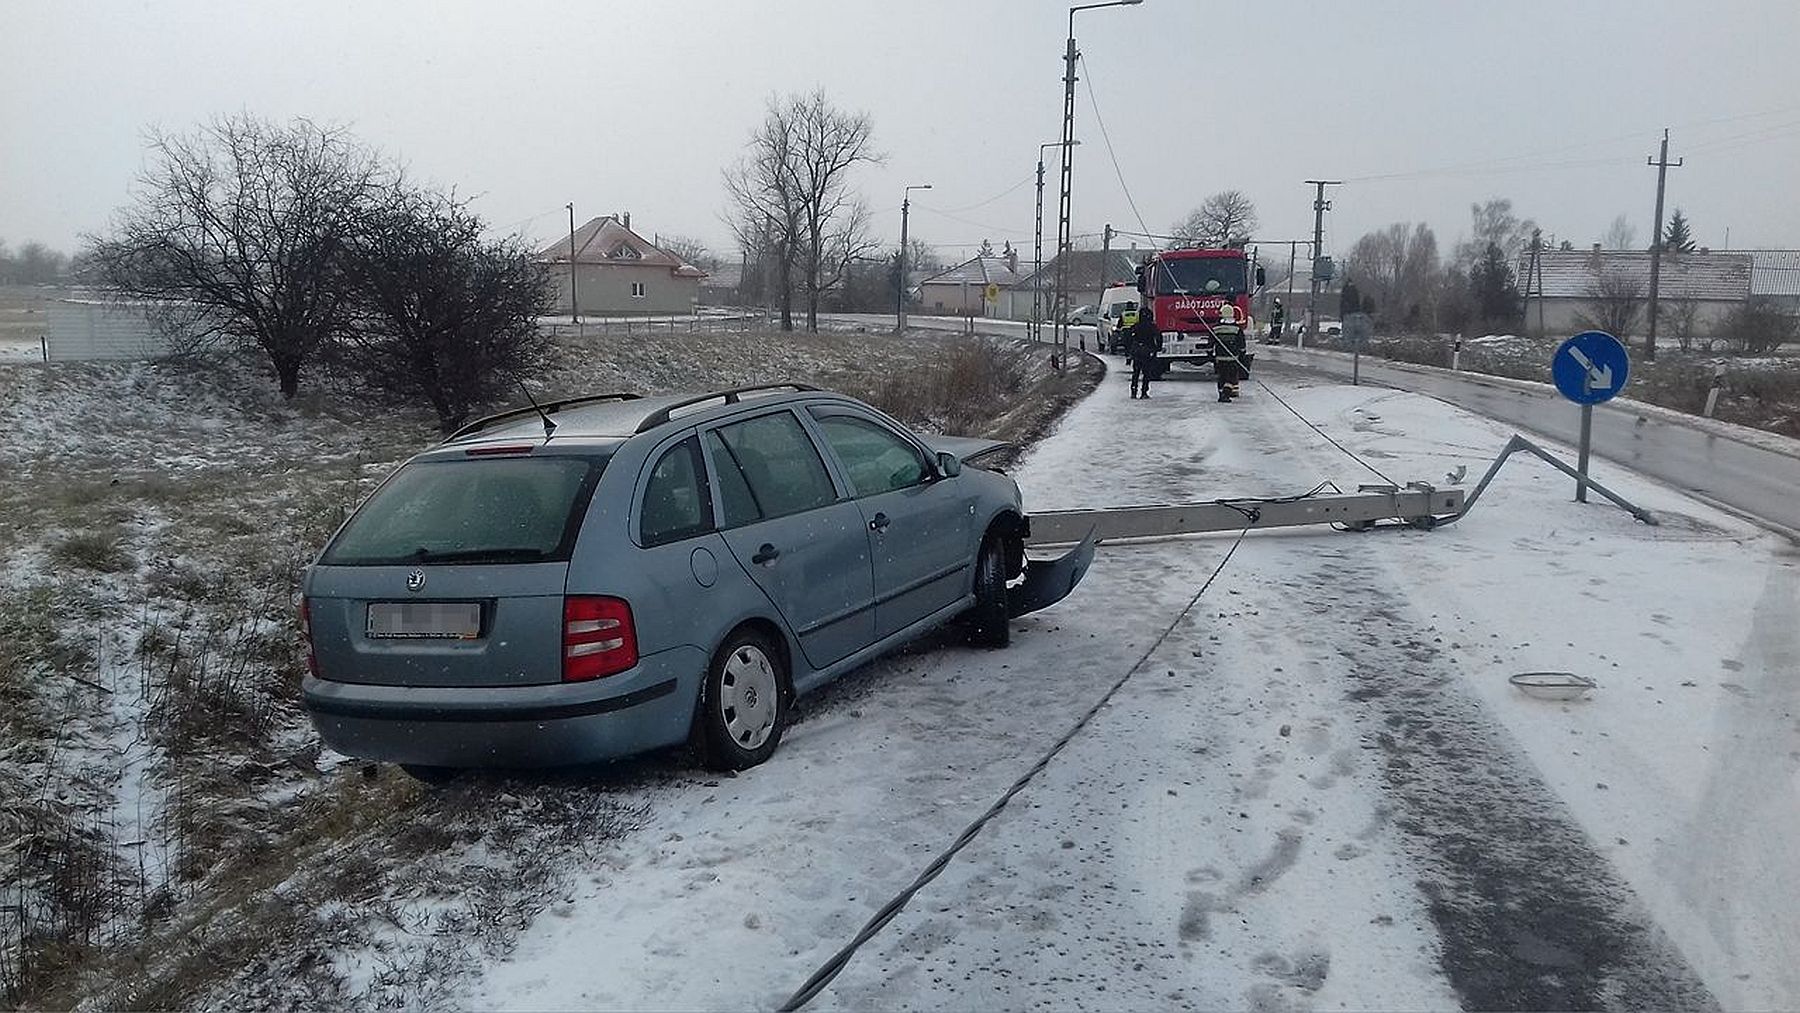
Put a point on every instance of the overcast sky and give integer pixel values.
(1421, 106)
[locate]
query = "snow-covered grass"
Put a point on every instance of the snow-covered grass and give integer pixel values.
(157, 779)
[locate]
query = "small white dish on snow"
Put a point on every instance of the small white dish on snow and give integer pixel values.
(1554, 685)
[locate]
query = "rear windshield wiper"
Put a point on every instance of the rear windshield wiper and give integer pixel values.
(512, 555)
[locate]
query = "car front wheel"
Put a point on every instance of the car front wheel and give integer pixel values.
(989, 624)
(743, 704)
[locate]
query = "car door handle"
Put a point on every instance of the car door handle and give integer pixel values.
(880, 523)
(766, 555)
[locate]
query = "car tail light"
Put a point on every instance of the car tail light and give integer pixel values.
(599, 637)
(312, 659)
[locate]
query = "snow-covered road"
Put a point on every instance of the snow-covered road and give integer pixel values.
(1320, 791)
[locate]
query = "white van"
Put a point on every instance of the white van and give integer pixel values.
(1113, 303)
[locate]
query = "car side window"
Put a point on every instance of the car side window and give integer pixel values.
(874, 458)
(768, 467)
(677, 503)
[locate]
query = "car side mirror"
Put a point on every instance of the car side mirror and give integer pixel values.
(1261, 278)
(949, 465)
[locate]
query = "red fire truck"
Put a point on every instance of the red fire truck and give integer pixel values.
(1197, 296)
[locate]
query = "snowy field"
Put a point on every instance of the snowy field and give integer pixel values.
(1320, 792)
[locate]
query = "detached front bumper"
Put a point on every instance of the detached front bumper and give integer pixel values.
(1048, 581)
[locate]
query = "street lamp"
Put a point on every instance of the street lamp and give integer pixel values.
(900, 286)
(1070, 55)
(1037, 281)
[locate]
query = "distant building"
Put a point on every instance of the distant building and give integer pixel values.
(722, 286)
(1090, 271)
(618, 272)
(963, 290)
(1712, 284)
(1775, 275)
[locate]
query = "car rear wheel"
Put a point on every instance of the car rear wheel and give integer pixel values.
(743, 705)
(989, 624)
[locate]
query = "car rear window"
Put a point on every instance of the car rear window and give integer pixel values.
(491, 510)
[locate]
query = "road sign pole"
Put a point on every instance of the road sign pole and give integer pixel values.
(1581, 462)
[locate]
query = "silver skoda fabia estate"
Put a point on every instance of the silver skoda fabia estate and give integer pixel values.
(600, 576)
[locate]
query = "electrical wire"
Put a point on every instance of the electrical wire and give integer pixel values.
(835, 965)
(1094, 104)
(990, 200)
(1219, 346)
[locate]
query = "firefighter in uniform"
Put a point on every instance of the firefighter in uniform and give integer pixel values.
(1142, 342)
(1228, 355)
(1277, 319)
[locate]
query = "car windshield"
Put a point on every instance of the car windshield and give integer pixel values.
(507, 510)
(1196, 275)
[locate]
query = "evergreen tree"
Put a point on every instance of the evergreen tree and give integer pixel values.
(1677, 236)
(1494, 288)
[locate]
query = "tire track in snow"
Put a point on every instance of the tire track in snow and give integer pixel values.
(1530, 915)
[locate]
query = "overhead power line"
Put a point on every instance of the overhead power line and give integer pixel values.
(1095, 105)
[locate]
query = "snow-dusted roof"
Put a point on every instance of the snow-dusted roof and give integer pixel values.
(1084, 269)
(606, 240)
(1775, 272)
(977, 271)
(1571, 274)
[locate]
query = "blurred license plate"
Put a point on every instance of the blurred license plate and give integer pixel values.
(424, 620)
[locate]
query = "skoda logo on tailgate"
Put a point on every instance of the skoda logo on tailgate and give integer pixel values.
(415, 581)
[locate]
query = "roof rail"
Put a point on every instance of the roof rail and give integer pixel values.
(548, 407)
(730, 396)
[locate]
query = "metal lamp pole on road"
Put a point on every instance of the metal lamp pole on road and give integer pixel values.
(900, 286)
(574, 311)
(1070, 55)
(1037, 280)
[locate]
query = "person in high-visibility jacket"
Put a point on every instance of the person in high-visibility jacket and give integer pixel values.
(1229, 352)
(1142, 342)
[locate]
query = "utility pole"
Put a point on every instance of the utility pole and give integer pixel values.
(1320, 206)
(900, 285)
(1036, 330)
(1663, 165)
(574, 311)
(1070, 55)
(1534, 277)
(1106, 257)
(1060, 307)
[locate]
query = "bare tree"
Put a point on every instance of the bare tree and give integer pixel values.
(241, 225)
(835, 220)
(1621, 234)
(690, 250)
(1399, 268)
(791, 191)
(442, 313)
(766, 211)
(1615, 304)
(34, 264)
(1492, 222)
(1224, 219)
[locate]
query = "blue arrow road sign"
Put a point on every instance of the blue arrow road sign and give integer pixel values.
(1590, 367)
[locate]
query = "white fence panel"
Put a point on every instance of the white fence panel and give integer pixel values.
(82, 330)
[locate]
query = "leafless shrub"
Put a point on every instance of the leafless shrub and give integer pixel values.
(965, 385)
(1615, 304)
(99, 551)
